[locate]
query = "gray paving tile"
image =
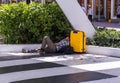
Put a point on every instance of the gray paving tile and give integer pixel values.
(108, 80)
(106, 24)
(60, 69)
(69, 78)
(115, 72)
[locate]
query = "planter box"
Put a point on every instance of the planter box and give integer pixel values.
(103, 50)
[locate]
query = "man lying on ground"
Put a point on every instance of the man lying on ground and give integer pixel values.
(48, 46)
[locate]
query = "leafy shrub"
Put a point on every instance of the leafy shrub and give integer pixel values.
(106, 37)
(22, 23)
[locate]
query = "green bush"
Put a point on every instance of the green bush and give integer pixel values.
(106, 37)
(22, 23)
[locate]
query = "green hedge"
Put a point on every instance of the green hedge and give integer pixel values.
(22, 23)
(105, 37)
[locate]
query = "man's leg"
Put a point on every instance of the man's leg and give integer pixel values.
(48, 45)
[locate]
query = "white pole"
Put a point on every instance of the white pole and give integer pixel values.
(43, 1)
(76, 16)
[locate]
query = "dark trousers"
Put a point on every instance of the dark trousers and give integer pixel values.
(90, 17)
(48, 45)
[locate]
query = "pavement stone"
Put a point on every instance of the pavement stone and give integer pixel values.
(75, 68)
(106, 24)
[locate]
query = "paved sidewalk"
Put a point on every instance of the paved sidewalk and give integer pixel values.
(78, 68)
(106, 24)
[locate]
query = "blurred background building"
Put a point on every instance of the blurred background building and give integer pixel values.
(103, 10)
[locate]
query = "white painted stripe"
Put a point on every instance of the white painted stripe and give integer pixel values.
(39, 73)
(98, 66)
(18, 62)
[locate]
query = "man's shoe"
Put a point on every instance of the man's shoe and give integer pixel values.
(24, 51)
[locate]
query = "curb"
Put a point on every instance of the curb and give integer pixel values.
(17, 47)
(6, 48)
(103, 50)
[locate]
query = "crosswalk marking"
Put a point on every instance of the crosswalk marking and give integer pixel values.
(56, 66)
(18, 62)
(98, 66)
(38, 73)
(27, 67)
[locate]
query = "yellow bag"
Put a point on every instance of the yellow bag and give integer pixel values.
(78, 41)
